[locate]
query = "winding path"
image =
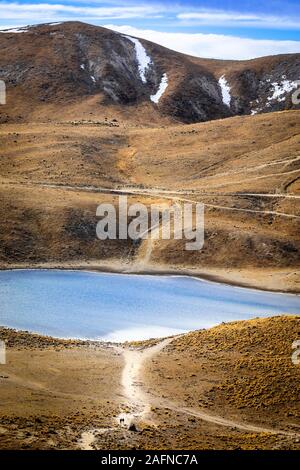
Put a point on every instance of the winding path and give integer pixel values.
(175, 196)
(138, 402)
(141, 401)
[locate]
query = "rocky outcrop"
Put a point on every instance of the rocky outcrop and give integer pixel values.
(70, 62)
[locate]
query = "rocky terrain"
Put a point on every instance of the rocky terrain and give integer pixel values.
(58, 70)
(230, 387)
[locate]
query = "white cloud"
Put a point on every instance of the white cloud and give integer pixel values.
(197, 44)
(225, 18)
(212, 45)
(46, 11)
(120, 9)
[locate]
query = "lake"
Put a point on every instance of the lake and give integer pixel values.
(120, 307)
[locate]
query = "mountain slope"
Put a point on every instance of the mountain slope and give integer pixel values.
(244, 169)
(58, 70)
(91, 112)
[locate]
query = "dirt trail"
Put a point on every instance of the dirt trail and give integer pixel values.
(145, 255)
(164, 195)
(223, 421)
(137, 399)
(251, 169)
(136, 406)
(88, 438)
(149, 237)
(172, 196)
(140, 401)
(250, 178)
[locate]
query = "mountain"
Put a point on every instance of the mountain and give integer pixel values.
(92, 113)
(58, 71)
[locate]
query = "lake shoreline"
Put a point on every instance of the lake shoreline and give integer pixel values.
(119, 268)
(140, 331)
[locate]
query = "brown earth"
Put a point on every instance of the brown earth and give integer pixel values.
(76, 70)
(56, 394)
(67, 145)
(51, 389)
(245, 170)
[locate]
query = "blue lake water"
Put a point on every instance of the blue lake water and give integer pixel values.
(118, 307)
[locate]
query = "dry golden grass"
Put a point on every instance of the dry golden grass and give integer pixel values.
(53, 390)
(241, 369)
(246, 235)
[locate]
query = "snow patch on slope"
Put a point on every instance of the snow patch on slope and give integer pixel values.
(225, 89)
(142, 57)
(281, 89)
(162, 88)
(23, 29)
(256, 109)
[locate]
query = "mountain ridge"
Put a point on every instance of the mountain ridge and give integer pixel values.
(73, 62)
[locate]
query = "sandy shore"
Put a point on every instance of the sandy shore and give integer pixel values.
(266, 280)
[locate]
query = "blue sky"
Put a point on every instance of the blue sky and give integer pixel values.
(265, 23)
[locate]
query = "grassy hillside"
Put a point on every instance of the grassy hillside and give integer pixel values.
(244, 169)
